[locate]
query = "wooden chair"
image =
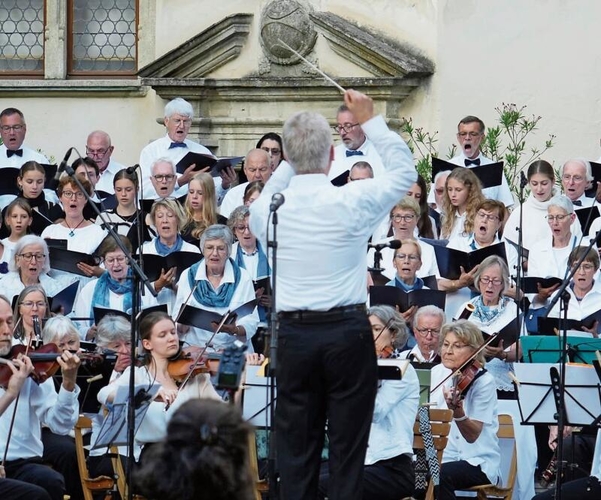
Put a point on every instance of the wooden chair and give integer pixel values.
(89, 485)
(440, 420)
(486, 491)
(261, 485)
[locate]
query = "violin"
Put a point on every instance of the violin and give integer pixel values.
(386, 352)
(192, 361)
(463, 377)
(44, 360)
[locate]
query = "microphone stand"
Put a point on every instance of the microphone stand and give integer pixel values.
(273, 349)
(140, 279)
(519, 268)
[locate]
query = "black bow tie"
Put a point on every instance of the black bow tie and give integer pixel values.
(356, 152)
(177, 145)
(577, 203)
(469, 162)
(11, 152)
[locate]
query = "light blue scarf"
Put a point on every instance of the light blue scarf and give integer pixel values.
(204, 293)
(163, 250)
(105, 283)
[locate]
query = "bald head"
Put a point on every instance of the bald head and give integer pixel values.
(257, 165)
(99, 148)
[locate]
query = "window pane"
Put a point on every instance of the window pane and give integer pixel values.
(104, 36)
(22, 39)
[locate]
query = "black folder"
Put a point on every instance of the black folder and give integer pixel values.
(202, 160)
(490, 175)
(449, 260)
(530, 284)
(64, 299)
(548, 326)
(341, 179)
(101, 312)
(182, 260)
(201, 318)
(525, 251)
(67, 260)
(264, 283)
(8, 180)
(393, 296)
(508, 334)
(586, 216)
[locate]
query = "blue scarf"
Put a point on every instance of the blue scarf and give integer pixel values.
(262, 266)
(164, 250)
(418, 284)
(486, 314)
(204, 293)
(106, 283)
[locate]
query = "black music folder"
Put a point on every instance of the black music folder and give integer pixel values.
(525, 251)
(181, 260)
(62, 259)
(393, 296)
(147, 204)
(8, 181)
(530, 284)
(201, 318)
(549, 326)
(508, 334)
(342, 179)
(490, 175)
(450, 260)
(586, 216)
(202, 160)
(264, 283)
(63, 300)
(101, 312)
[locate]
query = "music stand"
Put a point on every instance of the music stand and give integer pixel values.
(537, 395)
(548, 348)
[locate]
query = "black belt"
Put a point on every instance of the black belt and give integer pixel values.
(335, 314)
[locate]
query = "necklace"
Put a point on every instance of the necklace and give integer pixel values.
(72, 232)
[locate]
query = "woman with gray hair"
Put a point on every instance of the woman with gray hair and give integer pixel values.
(217, 284)
(29, 266)
(388, 468)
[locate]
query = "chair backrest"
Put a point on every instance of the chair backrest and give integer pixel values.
(506, 437)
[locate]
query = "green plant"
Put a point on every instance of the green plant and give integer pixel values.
(507, 141)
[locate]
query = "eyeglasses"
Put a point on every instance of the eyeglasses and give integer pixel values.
(71, 194)
(424, 332)
(347, 127)
(488, 217)
(164, 178)
(8, 128)
(401, 218)
(272, 151)
(115, 260)
(574, 178)
(403, 256)
(32, 256)
(485, 280)
(558, 218)
(473, 135)
(453, 347)
(242, 228)
(179, 121)
(30, 304)
(99, 153)
(586, 267)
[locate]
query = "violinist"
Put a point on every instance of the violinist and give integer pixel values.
(38, 404)
(160, 343)
(388, 470)
(472, 455)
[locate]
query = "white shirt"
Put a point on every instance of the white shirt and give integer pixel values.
(342, 162)
(160, 149)
(11, 284)
(233, 199)
(545, 261)
(579, 309)
(429, 264)
(37, 405)
(480, 404)
(17, 161)
(417, 355)
(85, 239)
(391, 432)
(105, 183)
(323, 230)
(244, 293)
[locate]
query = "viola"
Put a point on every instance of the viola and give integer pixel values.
(44, 362)
(192, 361)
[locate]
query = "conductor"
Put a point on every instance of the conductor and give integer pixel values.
(326, 359)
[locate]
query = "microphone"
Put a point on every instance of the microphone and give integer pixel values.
(389, 244)
(132, 169)
(61, 168)
(277, 200)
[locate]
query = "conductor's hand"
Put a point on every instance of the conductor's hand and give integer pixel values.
(359, 104)
(69, 365)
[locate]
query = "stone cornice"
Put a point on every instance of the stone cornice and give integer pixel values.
(203, 53)
(72, 88)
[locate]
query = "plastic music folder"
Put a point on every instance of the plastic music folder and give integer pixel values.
(490, 175)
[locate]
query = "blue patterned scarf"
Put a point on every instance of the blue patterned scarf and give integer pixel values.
(105, 283)
(485, 314)
(204, 293)
(262, 266)
(164, 250)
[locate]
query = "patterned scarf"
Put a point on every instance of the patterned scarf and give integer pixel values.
(204, 293)
(105, 283)
(485, 314)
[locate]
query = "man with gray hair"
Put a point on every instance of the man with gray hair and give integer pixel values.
(163, 178)
(100, 149)
(326, 361)
(174, 146)
(427, 322)
(576, 176)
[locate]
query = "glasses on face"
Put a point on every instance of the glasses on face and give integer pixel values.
(558, 218)
(30, 303)
(485, 280)
(115, 260)
(487, 217)
(453, 347)
(164, 177)
(32, 256)
(473, 135)
(242, 228)
(424, 332)
(573, 178)
(98, 153)
(210, 249)
(586, 267)
(346, 127)
(15, 128)
(401, 218)
(272, 151)
(73, 194)
(403, 256)
(180, 121)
